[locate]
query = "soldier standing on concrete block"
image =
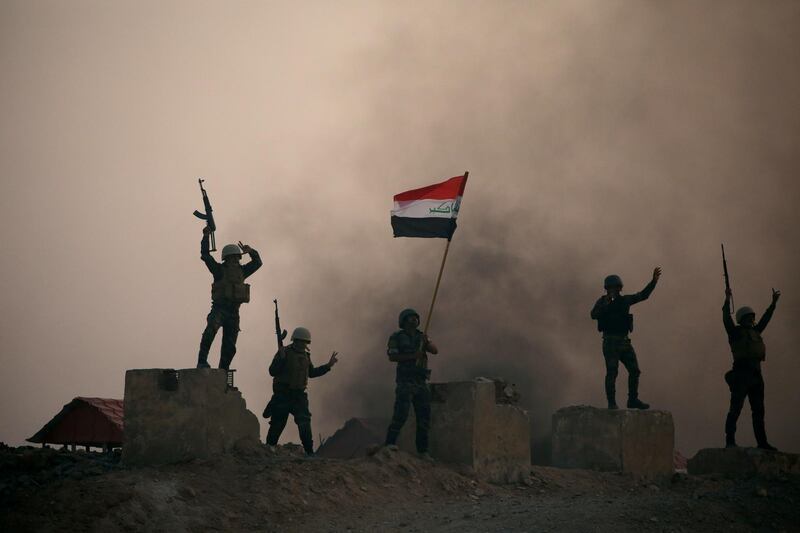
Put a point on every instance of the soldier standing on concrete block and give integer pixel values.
(291, 367)
(612, 312)
(407, 347)
(228, 292)
(745, 380)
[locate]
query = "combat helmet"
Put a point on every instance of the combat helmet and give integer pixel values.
(405, 313)
(612, 281)
(743, 312)
(230, 249)
(301, 334)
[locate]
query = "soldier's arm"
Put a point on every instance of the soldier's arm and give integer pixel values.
(644, 294)
(599, 308)
(278, 362)
(254, 263)
(205, 254)
(765, 318)
(317, 371)
(730, 327)
(430, 347)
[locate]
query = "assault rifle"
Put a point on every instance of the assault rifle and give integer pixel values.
(279, 333)
(727, 277)
(208, 216)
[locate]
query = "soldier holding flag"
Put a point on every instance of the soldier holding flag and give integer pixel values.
(428, 212)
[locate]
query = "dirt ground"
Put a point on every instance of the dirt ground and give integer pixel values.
(259, 490)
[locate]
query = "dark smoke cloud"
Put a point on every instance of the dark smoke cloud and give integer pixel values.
(600, 137)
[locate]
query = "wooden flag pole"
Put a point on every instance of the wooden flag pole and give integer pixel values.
(436, 289)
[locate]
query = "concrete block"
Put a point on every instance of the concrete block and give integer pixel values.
(633, 441)
(174, 416)
(472, 424)
(744, 462)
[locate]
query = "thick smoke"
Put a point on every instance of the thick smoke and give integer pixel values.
(606, 137)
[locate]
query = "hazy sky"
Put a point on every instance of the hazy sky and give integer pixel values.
(601, 137)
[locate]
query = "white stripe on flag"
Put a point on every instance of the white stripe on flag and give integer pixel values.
(427, 208)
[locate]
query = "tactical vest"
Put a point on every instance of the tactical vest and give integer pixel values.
(748, 344)
(295, 371)
(231, 288)
(616, 320)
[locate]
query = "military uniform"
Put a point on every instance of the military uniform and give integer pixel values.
(228, 292)
(745, 379)
(411, 389)
(615, 322)
(291, 370)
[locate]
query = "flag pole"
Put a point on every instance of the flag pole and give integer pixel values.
(436, 289)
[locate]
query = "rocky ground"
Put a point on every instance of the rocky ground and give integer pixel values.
(259, 490)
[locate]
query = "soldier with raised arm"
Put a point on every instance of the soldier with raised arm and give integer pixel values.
(612, 312)
(228, 293)
(745, 379)
(291, 368)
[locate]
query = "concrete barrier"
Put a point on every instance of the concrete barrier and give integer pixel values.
(178, 415)
(744, 462)
(632, 441)
(474, 423)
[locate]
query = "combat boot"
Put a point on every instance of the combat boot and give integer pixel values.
(730, 441)
(767, 446)
(637, 404)
(612, 404)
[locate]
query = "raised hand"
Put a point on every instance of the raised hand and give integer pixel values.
(775, 296)
(656, 273)
(332, 361)
(245, 248)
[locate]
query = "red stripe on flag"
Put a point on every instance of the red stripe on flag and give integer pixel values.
(445, 190)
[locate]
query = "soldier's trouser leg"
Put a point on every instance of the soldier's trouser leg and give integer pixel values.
(280, 407)
(402, 403)
(612, 369)
(213, 323)
(756, 396)
(302, 417)
(738, 385)
(422, 412)
(627, 357)
(230, 332)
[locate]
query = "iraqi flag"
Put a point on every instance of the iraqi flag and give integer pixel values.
(430, 211)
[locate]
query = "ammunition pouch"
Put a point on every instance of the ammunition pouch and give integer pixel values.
(620, 324)
(238, 293)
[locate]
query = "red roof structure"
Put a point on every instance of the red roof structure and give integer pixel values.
(86, 422)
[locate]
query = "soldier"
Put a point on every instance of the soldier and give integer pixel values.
(407, 348)
(612, 312)
(291, 367)
(228, 292)
(745, 380)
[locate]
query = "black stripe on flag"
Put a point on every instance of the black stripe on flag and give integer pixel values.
(437, 227)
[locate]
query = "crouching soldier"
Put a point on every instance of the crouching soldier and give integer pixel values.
(408, 348)
(612, 312)
(228, 293)
(291, 367)
(745, 380)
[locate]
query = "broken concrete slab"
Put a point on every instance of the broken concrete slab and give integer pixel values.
(178, 415)
(477, 424)
(744, 462)
(622, 440)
